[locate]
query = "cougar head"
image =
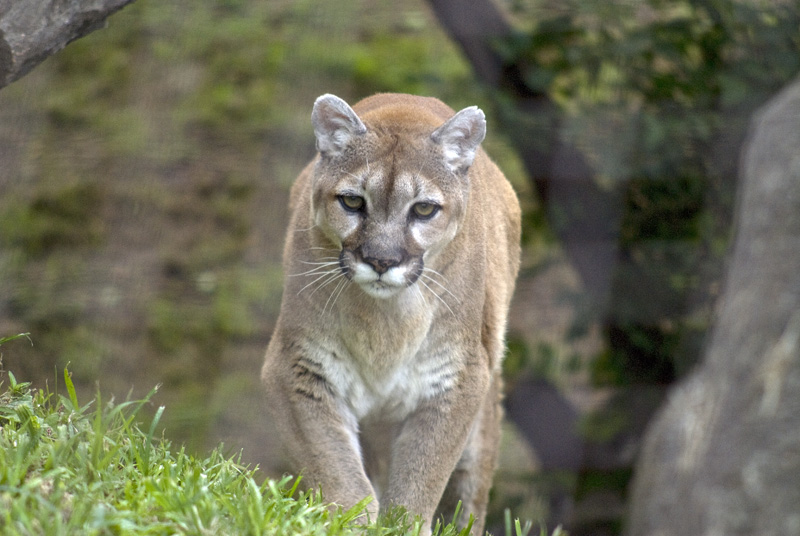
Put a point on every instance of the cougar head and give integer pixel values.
(390, 191)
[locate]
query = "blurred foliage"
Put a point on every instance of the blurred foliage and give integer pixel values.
(657, 95)
(675, 82)
(66, 218)
(546, 360)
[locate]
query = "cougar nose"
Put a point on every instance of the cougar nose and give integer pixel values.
(382, 265)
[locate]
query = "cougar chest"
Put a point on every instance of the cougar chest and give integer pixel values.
(389, 362)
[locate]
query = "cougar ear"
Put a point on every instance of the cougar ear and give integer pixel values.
(335, 124)
(460, 136)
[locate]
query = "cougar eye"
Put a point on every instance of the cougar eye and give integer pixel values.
(352, 203)
(425, 210)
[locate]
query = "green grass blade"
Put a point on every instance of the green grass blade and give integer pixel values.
(4, 340)
(97, 471)
(73, 396)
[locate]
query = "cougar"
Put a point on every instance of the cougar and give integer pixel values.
(383, 373)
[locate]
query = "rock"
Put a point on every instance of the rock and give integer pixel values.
(723, 457)
(32, 30)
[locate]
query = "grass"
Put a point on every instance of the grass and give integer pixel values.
(72, 468)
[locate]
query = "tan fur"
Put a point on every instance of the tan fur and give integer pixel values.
(392, 388)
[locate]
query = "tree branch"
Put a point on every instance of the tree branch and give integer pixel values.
(475, 25)
(584, 217)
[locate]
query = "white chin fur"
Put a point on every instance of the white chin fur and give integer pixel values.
(380, 286)
(381, 290)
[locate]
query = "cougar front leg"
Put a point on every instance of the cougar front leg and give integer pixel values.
(430, 444)
(321, 440)
(472, 478)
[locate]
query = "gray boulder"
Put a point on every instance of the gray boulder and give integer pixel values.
(32, 30)
(723, 457)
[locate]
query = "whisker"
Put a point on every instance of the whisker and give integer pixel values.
(421, 295)
(434, 272)
(328, 282)
(431, 270)
(437, 283)
(323, 276)
(317, 270)
(346, 284)
(354, 176)
(336, 291)
(323, 260)
(437, 296)
(422, 165)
